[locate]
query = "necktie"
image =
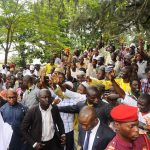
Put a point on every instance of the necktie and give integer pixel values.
(86, 142)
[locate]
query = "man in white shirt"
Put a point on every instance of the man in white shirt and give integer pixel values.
(42, 126)
(91, 69)
(142, 65)
(27, 70)
(93, 135)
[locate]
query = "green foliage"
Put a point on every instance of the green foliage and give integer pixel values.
(43, 28)
(16, 60)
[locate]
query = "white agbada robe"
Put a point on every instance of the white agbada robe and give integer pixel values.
(5, 134)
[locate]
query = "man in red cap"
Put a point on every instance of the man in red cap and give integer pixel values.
(126, 124)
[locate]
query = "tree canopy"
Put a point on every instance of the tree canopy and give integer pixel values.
(42, 28)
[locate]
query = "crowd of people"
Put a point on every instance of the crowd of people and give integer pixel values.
(98, 99)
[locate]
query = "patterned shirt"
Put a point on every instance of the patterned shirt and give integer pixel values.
(145, 86)
(67, 118)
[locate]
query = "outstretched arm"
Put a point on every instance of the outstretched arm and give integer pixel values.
(117, 88)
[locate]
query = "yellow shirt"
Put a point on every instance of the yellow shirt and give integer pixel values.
(106, 83)
(49, 68)
(125, 86)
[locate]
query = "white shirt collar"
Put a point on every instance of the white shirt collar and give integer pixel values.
(96, 127)
(143, 61)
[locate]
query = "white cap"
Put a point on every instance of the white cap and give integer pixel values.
(99, 57)
(80, 73)
(85, 84)
(69, 83)
(31, 67)
(132, 44)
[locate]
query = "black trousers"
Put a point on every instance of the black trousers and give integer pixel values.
(70, 140)
(53, 144)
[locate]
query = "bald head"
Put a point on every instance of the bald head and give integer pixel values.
(93, 95)
(92, 90)
(11, 96)
(45, 98)
(88, 118)
(87, 113)
(43, 91)
(27, 77)
(10, 90)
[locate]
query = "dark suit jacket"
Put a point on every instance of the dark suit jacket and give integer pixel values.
(103, 136)
(102, 110)
(32, 124)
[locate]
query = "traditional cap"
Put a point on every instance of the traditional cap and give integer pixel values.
(109, 68)
(69, 83)
(85, 84)
(100, 68)
(60, 70)
(80, 73)
(85, 51)
(67, 49)
(132, 45)
(99, 58)
(124, 113)
(12, 65)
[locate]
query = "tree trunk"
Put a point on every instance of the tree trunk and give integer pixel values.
(23, 58)
(8, 43)
(6, 56)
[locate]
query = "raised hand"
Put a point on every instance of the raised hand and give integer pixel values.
(56, 101)
(88, 79)
(111, 76)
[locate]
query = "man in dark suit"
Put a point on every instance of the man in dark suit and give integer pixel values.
(42, 126)
(93, 134)
(94, 100)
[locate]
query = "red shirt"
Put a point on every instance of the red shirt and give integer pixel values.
(118, 143)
